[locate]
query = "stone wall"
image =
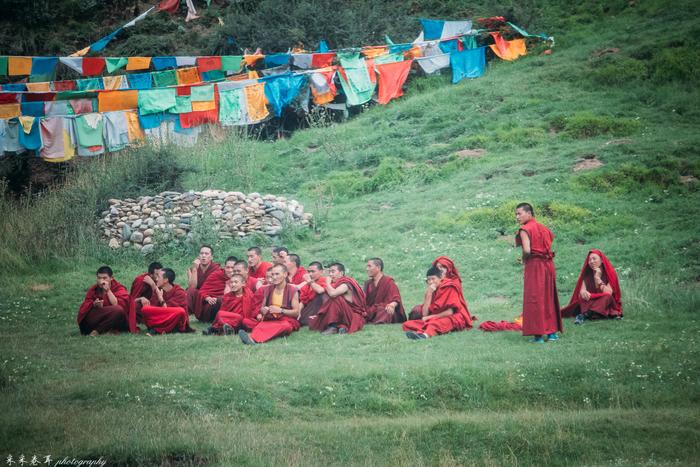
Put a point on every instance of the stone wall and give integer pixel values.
(141, 223)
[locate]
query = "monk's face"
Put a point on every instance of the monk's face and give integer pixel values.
(275, 257)
(594, 261)
(290, 265)
(253, 258)
(154, 276)
(433, 281)
(315, 272)
(268, 276)
(162, 280)
(229, 268)
(236, 284)
(282, 257)
(372, 269)
(334, 273)
(522, 216)
(277, 275)
(205, 256)
(442, 268)
(104, 281)
(240, 270)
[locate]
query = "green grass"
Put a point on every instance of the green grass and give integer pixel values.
(389, 183)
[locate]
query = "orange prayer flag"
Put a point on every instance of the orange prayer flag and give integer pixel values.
(10, 110)
(257, 103)
(200, 106)
(134, 127)
(188, 75)
(17, 66)
(250, 60)
(117, 100)
(371, 52)
(138, 63)
(38, 87)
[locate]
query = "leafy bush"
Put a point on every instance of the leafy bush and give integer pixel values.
(617, 70)
(676, 64)
(586, 125)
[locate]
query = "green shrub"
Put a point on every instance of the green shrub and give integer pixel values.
(617, 70)
(586, 125)
(676, 64)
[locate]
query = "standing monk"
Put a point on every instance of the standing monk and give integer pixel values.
(198, 273)
(446, 308)
(384, 304)
(313, 293)
(211, 291)
(106, 305)
(345, 309)
(236, 305)
(279, 313)
(256, 266)
(166, 311)
(295, 270)
(541, 316)
(241, 268)
(448, 270)
(143, 287)
(597, 293)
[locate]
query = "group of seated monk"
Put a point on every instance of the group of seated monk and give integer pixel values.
(259, 300)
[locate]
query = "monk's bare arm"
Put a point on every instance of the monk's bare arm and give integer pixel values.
(338, 291)
(318, 288)
(427, 300)
(110, 296)
(294, 311)
(192, 277)
(525, 242)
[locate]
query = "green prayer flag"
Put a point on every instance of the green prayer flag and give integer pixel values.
(389, 58)
(202, 93)
(230, 107)
(87, 135)
(3, 66)
(115, 63)
(162, 79)
(183, 105)
(156, 100)
(88, 84)
(231, 62)
(358, 87)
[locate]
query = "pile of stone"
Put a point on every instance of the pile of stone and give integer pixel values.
(170, 216)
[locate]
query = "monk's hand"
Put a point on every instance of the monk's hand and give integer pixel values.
(210, 300)
(149, 281)
(159, 294)
(585, 295)
(143, 301)
(390, 308)
(275, 310)
(259, 317)
(196, 263)
(426, 318)
(98, 302)
(307, 278)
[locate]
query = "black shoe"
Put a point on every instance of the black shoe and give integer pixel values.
(342, 330)
(152, 331)
(330, 330)
(208, 331)
(245, 338)
(228, 330)
(416, 335)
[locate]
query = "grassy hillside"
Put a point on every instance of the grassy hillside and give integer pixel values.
(391, 183)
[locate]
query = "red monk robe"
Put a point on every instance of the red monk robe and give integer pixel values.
(259, 271)
(601, 304)
(378, 296)
(340, 313)
(108, 317)
(173, 316)
(541, 314)
(213, 286)
(445, 264)
(251, 283)
(276, 325)
(193, 292)
(298, 277)
(311, 300)
(447, 295)
(139, 289)
(234, 309)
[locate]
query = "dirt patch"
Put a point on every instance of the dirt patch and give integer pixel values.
(588, 163)
(473, 153)
(605, 51)
(529, 173)
(40, 287)
(688, 179)
(618, 141)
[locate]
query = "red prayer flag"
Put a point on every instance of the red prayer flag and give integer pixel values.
(208, 64)
(93, 66)
(169, 6)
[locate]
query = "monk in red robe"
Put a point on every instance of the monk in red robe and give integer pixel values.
(384, 304)
(241, 268)
(279, 314)
(198, 273)
(256, 266)
(260, 291)
(143, 287)
(597, 293)
(212, 290)
(295, 270)
(446, 311)
(541, 315)
(105, 307)
(279, 255)
(345, 310)
(313, 293)
(166, 311)
(448, 270)
(236, 305)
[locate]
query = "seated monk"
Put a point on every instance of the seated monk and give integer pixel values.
(597, 293)
(241, 268)
(279, 314)
(448, 270)
(201, 267)
(312, 293)
(384, 304)
(279, 255)
(166, 311)
(256, 266)
(447, 310)
(142, 287)
(236, 305)
(260, 291)
(211, 291)
(106, 305)
(295, 270)
(345, 310)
